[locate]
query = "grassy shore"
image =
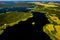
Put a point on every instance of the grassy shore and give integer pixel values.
(12, 18)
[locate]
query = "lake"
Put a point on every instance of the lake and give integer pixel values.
(25, 29)
(22, 9)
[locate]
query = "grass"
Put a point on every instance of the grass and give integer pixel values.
(12, 18)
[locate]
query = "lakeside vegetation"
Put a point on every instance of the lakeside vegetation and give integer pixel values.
(12, 18)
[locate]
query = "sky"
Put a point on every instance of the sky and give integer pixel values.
(29, 0)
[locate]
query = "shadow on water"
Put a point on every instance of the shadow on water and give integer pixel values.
(26, 30)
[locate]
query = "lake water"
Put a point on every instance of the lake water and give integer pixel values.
(22, 9)
(25, 29)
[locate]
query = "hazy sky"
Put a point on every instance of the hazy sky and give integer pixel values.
(29, 0)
